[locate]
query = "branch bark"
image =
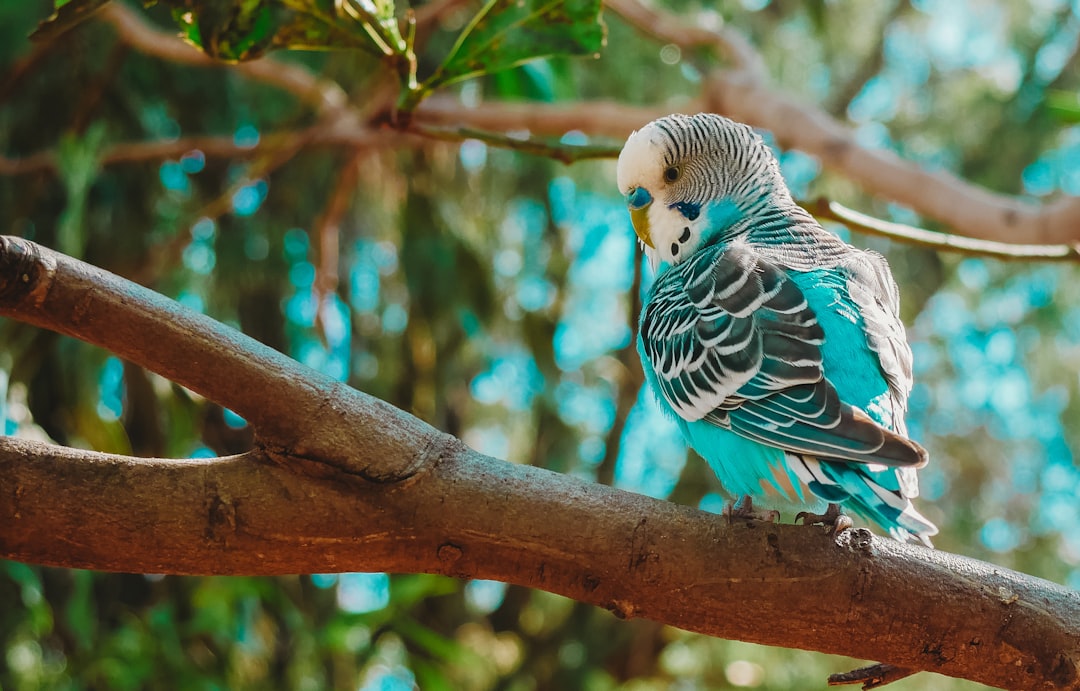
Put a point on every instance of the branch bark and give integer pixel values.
(341, 481)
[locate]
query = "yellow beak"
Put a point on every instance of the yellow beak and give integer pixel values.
(639, 200)
(640, 219)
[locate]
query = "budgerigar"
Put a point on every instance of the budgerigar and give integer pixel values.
(777, 347)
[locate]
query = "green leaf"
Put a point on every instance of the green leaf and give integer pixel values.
(68, 15)
(1064, 105)
(507, 33)
(247, 29)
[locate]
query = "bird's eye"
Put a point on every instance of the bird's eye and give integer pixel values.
(671, 174)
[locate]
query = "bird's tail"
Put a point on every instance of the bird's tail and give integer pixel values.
(877, 493)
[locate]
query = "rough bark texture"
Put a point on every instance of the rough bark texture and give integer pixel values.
(344, 482)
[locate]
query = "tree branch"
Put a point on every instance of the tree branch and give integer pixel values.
(862, 223)
(740, 90)
(342, 481)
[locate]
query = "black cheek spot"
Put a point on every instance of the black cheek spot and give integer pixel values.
(685, 235)
(674, 248)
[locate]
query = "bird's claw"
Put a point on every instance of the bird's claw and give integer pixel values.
(744, 510)
(833, 519)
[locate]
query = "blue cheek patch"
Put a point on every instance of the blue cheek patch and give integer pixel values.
(638, 197)
(689, 210)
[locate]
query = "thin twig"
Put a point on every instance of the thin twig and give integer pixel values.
(567, 153)
(871, 677)
(860, 222)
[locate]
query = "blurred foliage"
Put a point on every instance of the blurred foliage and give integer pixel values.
(489, 292)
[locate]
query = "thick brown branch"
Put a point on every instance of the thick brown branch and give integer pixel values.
(346, 482)
(271, 391)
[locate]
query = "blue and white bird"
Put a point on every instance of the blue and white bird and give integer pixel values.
(776, 347)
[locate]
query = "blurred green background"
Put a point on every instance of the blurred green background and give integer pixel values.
(490, 293)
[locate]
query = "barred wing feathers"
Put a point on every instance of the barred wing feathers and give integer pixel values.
(732, 341)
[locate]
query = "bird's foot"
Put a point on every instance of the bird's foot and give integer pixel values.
(744, 509)
(833, 519)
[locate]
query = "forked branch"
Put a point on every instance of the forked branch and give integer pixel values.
(340, 481)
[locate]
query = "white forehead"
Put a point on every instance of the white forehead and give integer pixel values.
(639, 158)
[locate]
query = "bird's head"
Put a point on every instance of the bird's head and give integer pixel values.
(691, 179)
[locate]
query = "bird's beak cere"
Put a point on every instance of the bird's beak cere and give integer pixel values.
(639, 200)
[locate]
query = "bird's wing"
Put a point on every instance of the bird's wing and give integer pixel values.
(732, 341)
(874, 291)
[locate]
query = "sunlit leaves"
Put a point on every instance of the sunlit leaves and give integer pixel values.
(1064, 105)
(68, 14)
(507, 33)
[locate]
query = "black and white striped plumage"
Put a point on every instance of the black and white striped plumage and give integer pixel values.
(777, 347)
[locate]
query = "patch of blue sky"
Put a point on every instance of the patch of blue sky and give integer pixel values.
(1061, 477)
(199, 257)
(1039, 177)
(173, 178)
(512, 380)
(157, 121)
(233, 420)
(110, 404)
(383, 678)
(394, 319)
(334, 316)
(925, 357)
(324, 580)
(1001, 307)
(713, 502)
(302, 275)
(193, 162)
(358, 593)
(1000, 347)
(204, 229)
(484, 597)
(256, 245)
(933, 482)
(593, 321)
(490, 439)
(946, 314)
(799, 170)
(1056, 512)
(973, 274)
(365, 365)
(508, 262)
(652, 452)
(535, 293)
(905, 55)
(473, 155)
(562, 197)
(524, 221)
(300, 308)
(247, 200)
(876, 102)
(192, 300)
(591, 451)
(1054, 55)
(999, 535)
(874, 135)
(590, 407)
(574, 138)
(246, 136)
(295, 244)
(960, 35)
(364, 286)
